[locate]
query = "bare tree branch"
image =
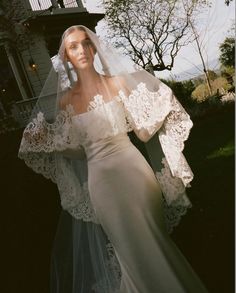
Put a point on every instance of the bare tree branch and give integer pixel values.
(151, 31)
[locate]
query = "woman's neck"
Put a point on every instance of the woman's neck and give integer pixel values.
(88, 78)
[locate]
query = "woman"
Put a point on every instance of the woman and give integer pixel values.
(114, 235)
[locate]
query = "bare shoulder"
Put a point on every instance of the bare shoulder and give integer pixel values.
(120, 83)
(117, 82)
(65, 100)
(118, 79)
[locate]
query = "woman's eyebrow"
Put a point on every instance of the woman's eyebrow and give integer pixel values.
(86, 39)
(71, 42)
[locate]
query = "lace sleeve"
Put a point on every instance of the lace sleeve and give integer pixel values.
(42, 141)
(41, 136)
(172, 135)
(147, 110)
(53, 150)
(150, 112)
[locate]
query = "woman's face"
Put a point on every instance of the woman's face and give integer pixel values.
(79, 49)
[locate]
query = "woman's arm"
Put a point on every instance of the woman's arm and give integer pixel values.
(146, 110)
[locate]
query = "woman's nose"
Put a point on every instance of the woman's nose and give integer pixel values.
(81, 49)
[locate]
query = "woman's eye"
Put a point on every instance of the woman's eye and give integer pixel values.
(85, 43)
(88, 43)
(73, 46)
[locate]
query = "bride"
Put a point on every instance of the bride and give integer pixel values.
(118, 209)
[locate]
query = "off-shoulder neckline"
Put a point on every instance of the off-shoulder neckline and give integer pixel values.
(118, 98)
(97, 105)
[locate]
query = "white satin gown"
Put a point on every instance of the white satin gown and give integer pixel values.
(128, 204)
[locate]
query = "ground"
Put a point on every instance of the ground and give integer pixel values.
(30, 209)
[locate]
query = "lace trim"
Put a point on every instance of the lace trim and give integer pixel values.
(40, 149)
(40, 141)
(110, 284)
(172, 187)
(111, 117)
(173, 133)
(176, 202)
(174, 212)
(41, 136)
(146, 109)
(96, 102)
(82, 208)
(41, 163)
(75, 197)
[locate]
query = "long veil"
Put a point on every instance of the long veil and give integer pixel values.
(83, 258)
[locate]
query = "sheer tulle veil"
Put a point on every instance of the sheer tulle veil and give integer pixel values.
(83, 259)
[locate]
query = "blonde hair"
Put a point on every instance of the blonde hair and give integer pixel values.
(71, 29)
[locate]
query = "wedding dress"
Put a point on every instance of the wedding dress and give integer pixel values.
(114, 237)
(121, 181)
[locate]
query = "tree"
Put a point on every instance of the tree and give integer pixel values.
(227, 52)
(199, 48)
(151, 32)
(229, 74)
(227, 2)
(220, 85)
(212, 75)
(183, 91)
(227, 59)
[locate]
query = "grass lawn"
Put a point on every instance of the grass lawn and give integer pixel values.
(30, 210)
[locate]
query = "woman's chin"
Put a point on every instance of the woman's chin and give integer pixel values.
(83, 66)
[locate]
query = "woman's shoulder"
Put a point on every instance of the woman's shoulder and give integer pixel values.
(65, 99)
(120, 83)
(116, 82)
(68, 95)
(116, 78)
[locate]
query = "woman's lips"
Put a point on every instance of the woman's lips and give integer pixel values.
(83, 59)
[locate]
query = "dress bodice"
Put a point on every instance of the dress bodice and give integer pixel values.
(101, 121)
(102, 129)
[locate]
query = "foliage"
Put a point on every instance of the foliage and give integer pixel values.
(227, 59)
(182, 90)
(200, 93)
(225, 151)
(212, 75)
(219, 86)
(198, 80)
(151, 32)
(227, 55)
(227, 2)
(229, 73)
